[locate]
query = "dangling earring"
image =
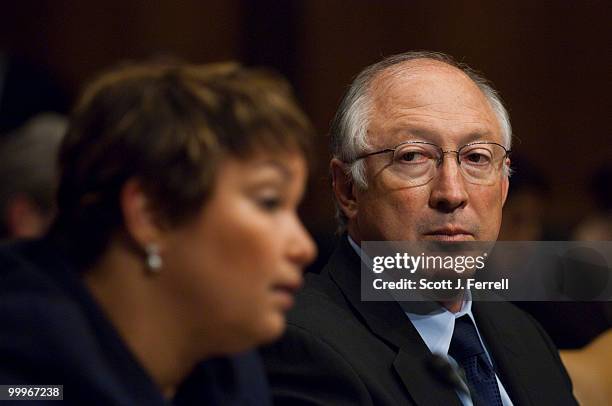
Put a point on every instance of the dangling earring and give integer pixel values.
(154, 260)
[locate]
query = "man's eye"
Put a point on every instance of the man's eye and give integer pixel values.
(411, 157)
(477, 158)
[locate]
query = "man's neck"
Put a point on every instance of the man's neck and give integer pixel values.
(453, 306)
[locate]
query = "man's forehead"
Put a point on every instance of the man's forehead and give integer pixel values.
(415, 67)
(430, 99)
(422, 74)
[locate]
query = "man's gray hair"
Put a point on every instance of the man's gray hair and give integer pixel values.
(28, 162)
(349, 127)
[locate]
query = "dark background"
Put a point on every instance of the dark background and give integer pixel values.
(550, 60)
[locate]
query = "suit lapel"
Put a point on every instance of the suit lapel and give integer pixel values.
(388, 322)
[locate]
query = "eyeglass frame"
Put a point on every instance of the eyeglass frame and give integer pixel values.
(443, 151)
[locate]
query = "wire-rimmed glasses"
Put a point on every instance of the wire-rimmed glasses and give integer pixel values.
(416, 162)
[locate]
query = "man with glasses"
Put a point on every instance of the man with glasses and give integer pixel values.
(420, 149)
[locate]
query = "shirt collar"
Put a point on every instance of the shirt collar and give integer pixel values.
(436, 328)
(364, 257)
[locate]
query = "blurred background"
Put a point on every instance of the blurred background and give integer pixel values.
(550, 60)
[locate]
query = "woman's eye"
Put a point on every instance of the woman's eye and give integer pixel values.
(269, 203)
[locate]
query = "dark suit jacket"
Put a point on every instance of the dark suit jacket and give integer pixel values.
(339, 350)
(52, 332)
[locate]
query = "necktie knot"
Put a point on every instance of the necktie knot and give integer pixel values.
(465, 342)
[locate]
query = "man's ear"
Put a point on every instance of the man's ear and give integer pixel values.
(343, 187)
(138, 215)
(505, 183)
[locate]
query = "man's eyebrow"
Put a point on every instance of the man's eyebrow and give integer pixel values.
(418, 133)
(475, 136)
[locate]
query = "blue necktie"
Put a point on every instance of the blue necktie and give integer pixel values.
(465, 348)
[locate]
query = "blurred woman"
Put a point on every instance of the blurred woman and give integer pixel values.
(176, 241)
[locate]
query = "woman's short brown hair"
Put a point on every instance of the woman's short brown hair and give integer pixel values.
(169, 127)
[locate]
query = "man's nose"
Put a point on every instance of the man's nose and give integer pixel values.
(448, 192)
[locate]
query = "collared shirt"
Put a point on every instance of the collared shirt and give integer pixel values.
(436, 329)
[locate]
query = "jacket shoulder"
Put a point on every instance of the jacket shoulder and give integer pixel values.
(41, 323)
(321, 307)
(26, 268)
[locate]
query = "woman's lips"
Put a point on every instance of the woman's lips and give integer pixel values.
(285, 292)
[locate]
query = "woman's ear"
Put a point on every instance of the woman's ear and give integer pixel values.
(343, 188)
(138, 215)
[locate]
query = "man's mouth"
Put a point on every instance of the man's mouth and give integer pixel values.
(449, 233)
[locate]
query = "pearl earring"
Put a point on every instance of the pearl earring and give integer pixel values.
(154, 260)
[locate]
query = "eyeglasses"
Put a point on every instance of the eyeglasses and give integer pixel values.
(416, 162)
